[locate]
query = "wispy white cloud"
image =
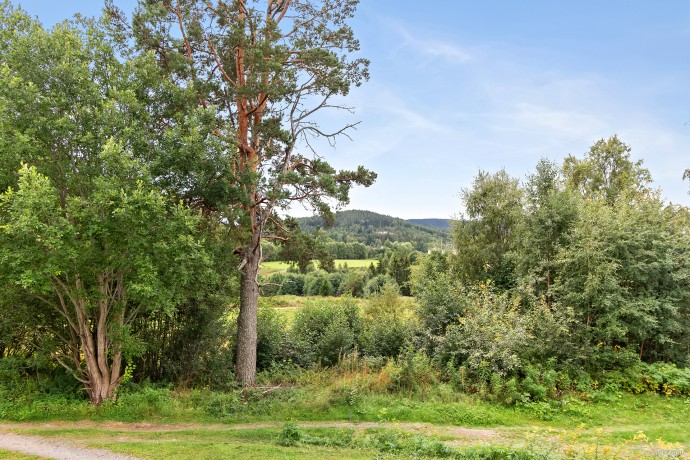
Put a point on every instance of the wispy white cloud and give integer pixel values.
(502, 107)
(434, 48)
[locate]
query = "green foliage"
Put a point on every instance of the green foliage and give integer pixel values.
(293, 284)
(376, 284)
(607, 173)
(394, 442)
(290, 435)
(662, 378)
(494, 207)
(588, 271)
(330, 331)
(317, 283)
(383, 337)
(353, 283)
(489, 338)
(387, 327)
(496, 341)
(90, 244)
(301, 248)
(667, 379)
(284, 284)
(625, 274)
(336, 279)
(551, 213)
(439, 294)
(411, 372)
(272, 338)
(399, 269)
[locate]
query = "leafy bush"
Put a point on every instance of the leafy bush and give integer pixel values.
(290, 435)
(383, 337)
(276, 346)
(292, 284)
(353, 283)
(328, 330)
(336, 279)
(317, 283)
(271, 286)
(387, 329)
(376, 284)
(11, 372)
(489, 338)
(441, 300)
(661, 378)
(412, 371)
(271, 337)
(20, 377)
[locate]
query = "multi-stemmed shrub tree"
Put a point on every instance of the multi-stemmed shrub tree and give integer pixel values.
(83, 230)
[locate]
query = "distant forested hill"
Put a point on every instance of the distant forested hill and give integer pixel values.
(374, 229)
(441, 224)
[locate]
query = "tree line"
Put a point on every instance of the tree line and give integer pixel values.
(374, 230)
(583, 266)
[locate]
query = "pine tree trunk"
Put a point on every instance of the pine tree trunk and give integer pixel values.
(245, 366)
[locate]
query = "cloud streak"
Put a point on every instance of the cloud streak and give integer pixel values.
(432, 48)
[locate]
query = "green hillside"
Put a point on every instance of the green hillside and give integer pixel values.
(373, 229)
(440, 224)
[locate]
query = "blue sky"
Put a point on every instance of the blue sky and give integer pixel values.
(458, 86)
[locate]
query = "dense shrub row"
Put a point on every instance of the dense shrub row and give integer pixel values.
(323, 332)
(492, 348)
(492, 351)
(343, 282)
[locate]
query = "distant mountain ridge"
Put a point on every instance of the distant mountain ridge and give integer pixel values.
(373, 229)
(441, 224)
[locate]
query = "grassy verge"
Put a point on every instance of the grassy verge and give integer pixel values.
(6, 454)
(320, 407)
(290, 441)
(299, 441)
(201, 442)
(321, 395)
(353, 410)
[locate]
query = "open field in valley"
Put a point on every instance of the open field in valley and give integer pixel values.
(268, 268)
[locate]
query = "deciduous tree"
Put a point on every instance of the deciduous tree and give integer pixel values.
(550, 213)
(83, 231)
(493, 208)
(607, 172)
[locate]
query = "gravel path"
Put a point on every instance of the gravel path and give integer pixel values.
(58, 450)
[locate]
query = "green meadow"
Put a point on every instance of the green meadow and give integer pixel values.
(269, 268)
